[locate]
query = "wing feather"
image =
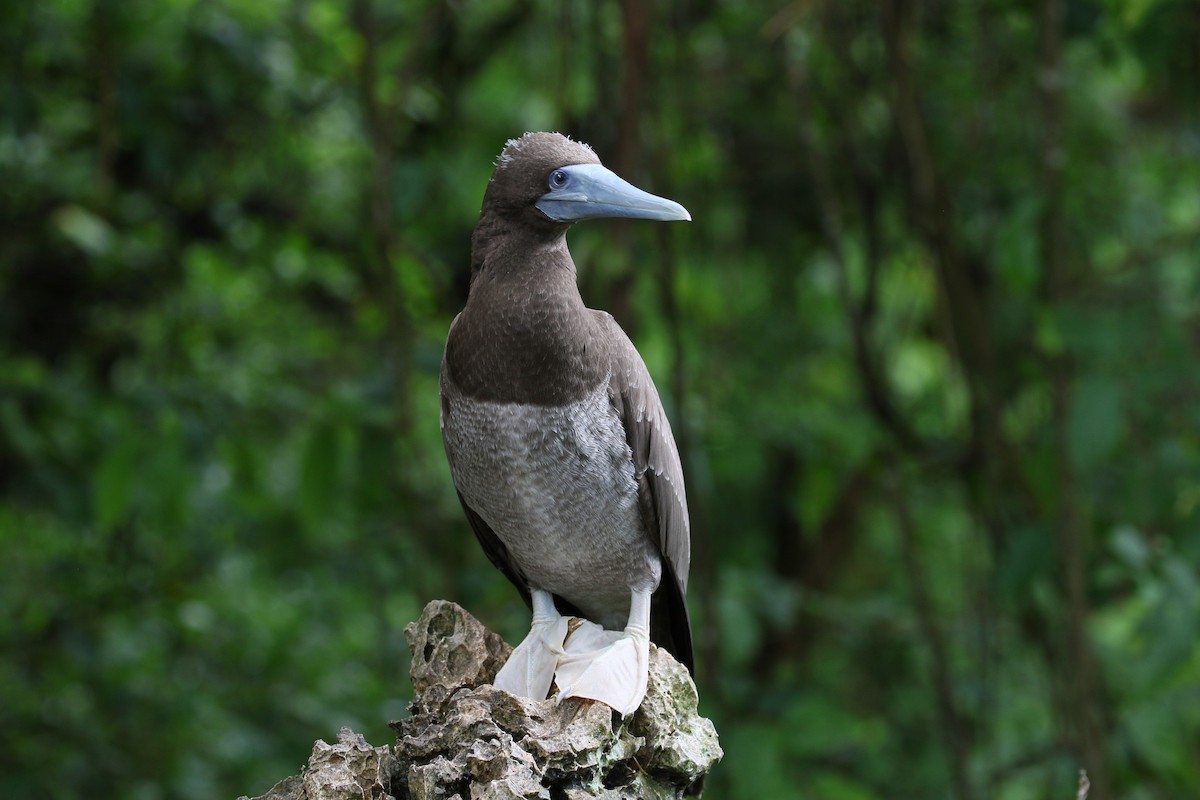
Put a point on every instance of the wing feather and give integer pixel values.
(659, 473)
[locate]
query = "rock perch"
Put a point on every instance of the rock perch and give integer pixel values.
(467, 740)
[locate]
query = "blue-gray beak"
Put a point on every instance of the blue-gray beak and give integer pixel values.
(589, 191)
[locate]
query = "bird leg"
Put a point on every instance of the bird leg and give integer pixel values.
(529, 670)
(608, 666)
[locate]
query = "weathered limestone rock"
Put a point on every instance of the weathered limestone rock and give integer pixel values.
(466, 740)
(452, 648)
(348, 770)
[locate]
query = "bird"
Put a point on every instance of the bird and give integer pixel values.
(558, 443)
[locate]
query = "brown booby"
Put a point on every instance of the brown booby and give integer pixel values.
(557, 440)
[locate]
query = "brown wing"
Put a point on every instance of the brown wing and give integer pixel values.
(660, 482)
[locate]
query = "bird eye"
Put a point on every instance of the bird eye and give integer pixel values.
(558, 179)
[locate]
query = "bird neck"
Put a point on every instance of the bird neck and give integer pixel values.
(505, 249)
(525, 333)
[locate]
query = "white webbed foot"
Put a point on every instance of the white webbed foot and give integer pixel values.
(606, 665)
(530, 669)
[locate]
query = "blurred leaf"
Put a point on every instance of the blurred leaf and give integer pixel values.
(114, 482)
(84, 229)
(318, 483)
(1097, 419)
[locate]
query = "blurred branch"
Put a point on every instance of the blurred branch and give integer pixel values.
(989, 465)
(380, 115)
(104, 74)
(867, 184)
(809, 559)
(1034, 756)
(383, 113)
(1140, 256)
(876, 391)
(1052, 226)
(635, 26)
(627, 158)
(1084, 703)
(932, 208)
(949, 720)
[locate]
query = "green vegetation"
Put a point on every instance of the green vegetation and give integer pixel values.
(931, 347)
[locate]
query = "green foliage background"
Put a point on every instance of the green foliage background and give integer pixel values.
(930, 345)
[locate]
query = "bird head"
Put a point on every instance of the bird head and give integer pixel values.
(550, 180)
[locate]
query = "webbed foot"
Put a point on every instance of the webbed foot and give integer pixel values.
(606, 665)
(529, 671)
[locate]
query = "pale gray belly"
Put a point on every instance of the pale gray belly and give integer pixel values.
(556, 485)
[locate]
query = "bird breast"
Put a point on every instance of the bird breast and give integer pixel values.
(556, 485)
